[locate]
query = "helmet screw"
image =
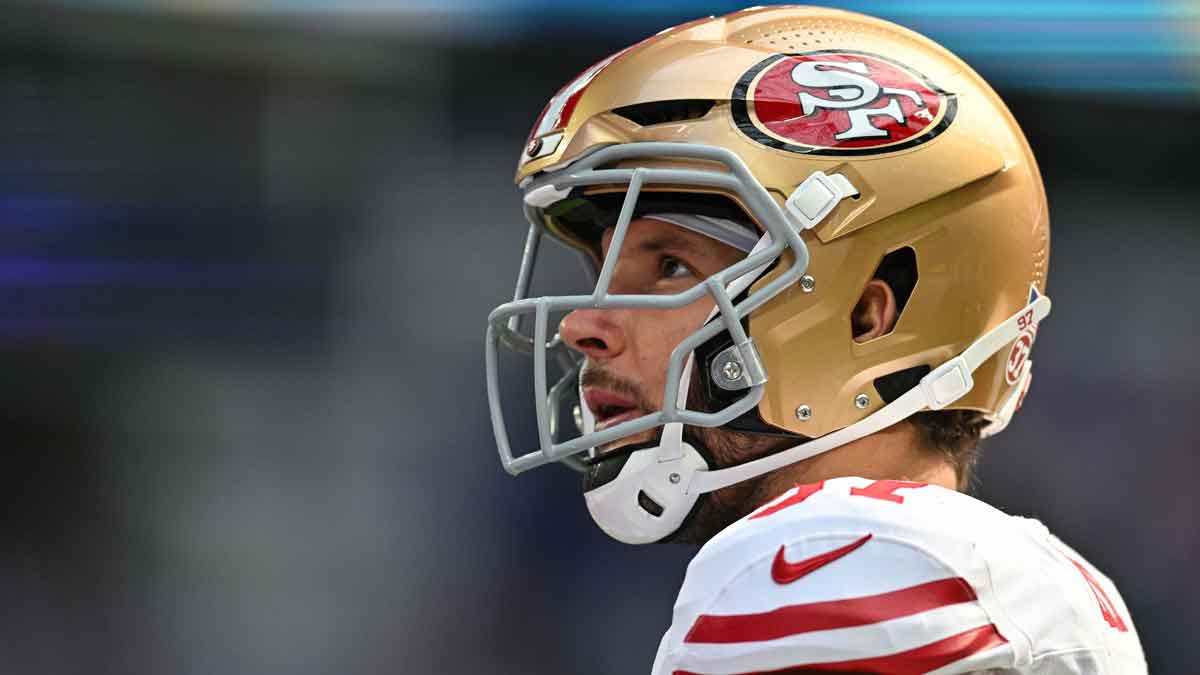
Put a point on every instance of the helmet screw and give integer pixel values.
(862, 401)
(732, 370)
(674, 478)
(807, 283)
(804, 413)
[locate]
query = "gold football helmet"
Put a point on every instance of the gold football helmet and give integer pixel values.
(839, 141)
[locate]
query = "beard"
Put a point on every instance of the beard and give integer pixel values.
(720, 447)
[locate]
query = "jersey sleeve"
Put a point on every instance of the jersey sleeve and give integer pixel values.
(846, 601)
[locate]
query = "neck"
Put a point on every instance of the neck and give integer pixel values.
(891, 454)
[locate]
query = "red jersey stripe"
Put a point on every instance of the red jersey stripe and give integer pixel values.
(814, 616)
(912, 662)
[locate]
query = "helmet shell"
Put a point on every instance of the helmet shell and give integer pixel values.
(961, 188)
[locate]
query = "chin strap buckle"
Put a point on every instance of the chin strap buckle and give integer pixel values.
(816, 197)
(947, 383)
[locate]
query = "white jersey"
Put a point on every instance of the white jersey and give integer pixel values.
(891, 577)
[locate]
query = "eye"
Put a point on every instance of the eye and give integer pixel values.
(673, 268)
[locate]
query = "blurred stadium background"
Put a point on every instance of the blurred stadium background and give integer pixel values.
(246, 252)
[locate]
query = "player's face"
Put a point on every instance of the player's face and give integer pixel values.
(627, 350)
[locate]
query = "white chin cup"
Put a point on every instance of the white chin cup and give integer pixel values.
(617, 509)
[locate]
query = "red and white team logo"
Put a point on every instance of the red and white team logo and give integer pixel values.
(1018, 356)
(839, 102)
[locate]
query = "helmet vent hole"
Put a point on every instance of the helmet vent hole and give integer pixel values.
(893, 385)
(649, 505)
(663, 112)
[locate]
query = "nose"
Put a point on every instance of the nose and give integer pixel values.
(594, 332)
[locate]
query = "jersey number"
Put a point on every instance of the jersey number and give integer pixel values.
(885, 490)
(880, 489)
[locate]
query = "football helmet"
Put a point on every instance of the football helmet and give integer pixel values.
(835, 140)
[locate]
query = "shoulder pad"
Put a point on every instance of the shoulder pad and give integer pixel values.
(842, 584)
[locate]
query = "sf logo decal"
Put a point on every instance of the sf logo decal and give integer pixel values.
(852, 91)
(839, 102)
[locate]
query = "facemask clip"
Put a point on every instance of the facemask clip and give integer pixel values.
(816, 197)
(738, 366)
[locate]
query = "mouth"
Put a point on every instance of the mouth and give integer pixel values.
(610, 408)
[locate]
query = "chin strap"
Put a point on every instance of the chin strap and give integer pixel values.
(670, 445)
(942, 386)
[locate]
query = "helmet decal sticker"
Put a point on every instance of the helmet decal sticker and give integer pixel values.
(1018, 356)
(560, 107)
(1015, 366)
(839, 102)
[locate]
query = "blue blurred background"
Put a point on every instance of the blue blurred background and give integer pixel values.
(246, 253)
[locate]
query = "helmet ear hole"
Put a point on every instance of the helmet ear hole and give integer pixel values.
(898, 270)
(869, 319)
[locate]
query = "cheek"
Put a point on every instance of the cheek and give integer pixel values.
(662, 331)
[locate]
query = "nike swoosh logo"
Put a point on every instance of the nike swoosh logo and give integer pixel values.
(784, 572)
